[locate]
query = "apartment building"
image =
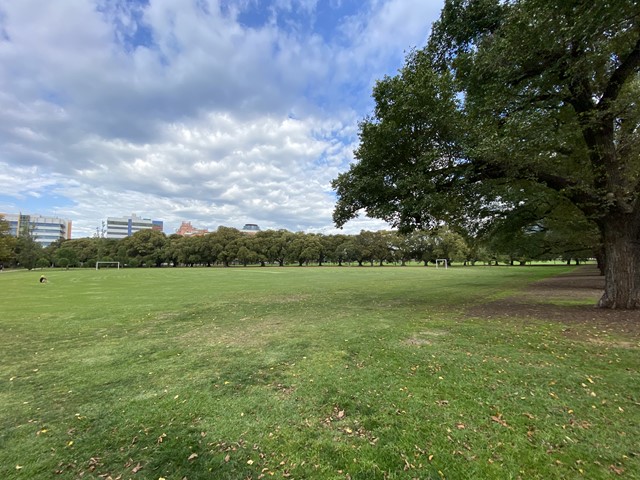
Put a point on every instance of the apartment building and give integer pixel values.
(44, 230)
(122, 227)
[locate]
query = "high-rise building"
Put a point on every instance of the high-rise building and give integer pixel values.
(121, 227)
(44, 230)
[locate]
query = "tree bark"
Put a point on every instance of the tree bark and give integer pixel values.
(621, 235)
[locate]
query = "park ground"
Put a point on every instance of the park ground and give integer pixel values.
(317, 373)
(569, 299)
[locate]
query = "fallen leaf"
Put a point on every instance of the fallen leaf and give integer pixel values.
(137, 468)
(249, 462)
(227, 458)
(498, 419)
(460, 426)
(193, 456)
(616, 470)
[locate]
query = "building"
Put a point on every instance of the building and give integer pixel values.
(44, 230)
(188, 230)
(250, 228)
(122, 227)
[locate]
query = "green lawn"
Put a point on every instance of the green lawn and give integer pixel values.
(328, 373)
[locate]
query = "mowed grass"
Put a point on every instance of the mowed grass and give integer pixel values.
(327, 373)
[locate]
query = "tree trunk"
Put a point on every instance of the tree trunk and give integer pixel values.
(621, 236)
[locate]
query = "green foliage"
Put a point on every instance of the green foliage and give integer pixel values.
(65, 257)
(27, 252)
(42, 262)
(510, 105)
(7, 242)
(147, 246)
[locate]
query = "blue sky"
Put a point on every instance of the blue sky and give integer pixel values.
(217, 112)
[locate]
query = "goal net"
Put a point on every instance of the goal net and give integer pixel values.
(442, 261)
(100, 265)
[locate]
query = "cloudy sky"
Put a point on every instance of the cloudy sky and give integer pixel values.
(218, 112)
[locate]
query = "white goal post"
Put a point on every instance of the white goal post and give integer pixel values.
(107, 264)
(443, 261)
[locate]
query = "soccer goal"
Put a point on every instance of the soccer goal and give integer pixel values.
(107, 265)
(442, 261)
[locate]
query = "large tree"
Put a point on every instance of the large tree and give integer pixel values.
(7, 241)
(510, 103)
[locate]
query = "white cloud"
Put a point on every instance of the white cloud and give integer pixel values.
(180, 111)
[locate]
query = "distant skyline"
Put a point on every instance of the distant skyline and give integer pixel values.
(217, 112)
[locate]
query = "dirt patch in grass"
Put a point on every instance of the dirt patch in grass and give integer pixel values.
(569, 299)
(420, 339)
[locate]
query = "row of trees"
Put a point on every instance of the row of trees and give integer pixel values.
(228, 246)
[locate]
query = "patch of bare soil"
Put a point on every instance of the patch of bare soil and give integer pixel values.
(550, 300)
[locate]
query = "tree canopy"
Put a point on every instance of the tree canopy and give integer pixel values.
(516, 113)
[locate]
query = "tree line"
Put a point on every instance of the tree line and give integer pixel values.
(229, 246)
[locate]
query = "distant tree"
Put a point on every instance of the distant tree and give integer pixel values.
(226, 240)
(246, 256)
(421, 246)
(42, 262)
(28, 251)
(172, 249)
(7, 242)
(146, 246)
(65, 257)
(275, 245)
(449, 244)
(304, 248)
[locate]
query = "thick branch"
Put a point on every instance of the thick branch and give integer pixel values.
(620, 75)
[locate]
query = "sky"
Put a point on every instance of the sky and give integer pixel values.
(217, 112)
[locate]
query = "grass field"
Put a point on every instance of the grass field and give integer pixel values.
(327, 373)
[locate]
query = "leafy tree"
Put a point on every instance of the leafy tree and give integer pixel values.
(63, 263)
(190, 251)
(347, 251)
(511, 102)
(246, 256)
(400, 248)
(304, 248)
(376, 244)
(28, 251)
(226, 240)
(7, 242)
(330, 244)
(65, 257)
(172, 249)
(275, 245)
(420, 244)
(146, 246)
(42, 262)
(449, 245)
